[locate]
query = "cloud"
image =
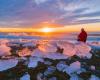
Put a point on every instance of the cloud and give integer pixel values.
(68, 5)
(17, 13)
(40, 1)
(16, 23)
(87, 21)
(75, 10)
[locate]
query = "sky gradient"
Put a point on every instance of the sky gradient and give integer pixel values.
(65, 13)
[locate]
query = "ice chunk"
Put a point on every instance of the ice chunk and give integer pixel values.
(74, 77)
(93, 77)
(50, 55)
(61, 66)
(38, 53)
(47, 62)
(39, 76)
(25, 77)
(33, 62)
(81, 70)
(92, 67)
(74, 67)
(53, 78)
(55, 56)
(50, 70)
(4, 50)
(4, 41)
(6, 64)
(89, 55)
(83, 50)
(24, 52)
(47, 48)
(69, 48)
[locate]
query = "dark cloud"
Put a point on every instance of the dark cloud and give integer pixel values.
(87, 21)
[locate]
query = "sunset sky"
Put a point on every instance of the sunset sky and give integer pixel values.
(59, 15)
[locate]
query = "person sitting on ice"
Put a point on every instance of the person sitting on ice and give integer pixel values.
(82, 36)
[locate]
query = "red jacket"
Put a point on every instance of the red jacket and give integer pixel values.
(82, 36)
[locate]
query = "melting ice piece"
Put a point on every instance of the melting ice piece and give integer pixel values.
(38, 53)
(74, 67)
(39, 76)
(55, 56)
(33, 62)
(47, 48)
(93, 77)
(92, 67)
(83, 50)
(69, 48)
(50, 70)
(61, 66)
(53, 78)
(25, 77)
(24, 52)
(6, 64)
(3, 41)
(4, 50)
(74, 77)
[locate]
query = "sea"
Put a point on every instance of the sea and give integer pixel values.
(92, 36)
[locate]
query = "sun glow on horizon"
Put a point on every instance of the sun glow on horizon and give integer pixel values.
(94, 27)
(46, 30)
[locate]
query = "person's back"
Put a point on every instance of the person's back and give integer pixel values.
(82, 36)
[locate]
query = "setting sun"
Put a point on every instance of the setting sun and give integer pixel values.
(46, 30)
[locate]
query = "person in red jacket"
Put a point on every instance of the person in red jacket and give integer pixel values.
(82, 36)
